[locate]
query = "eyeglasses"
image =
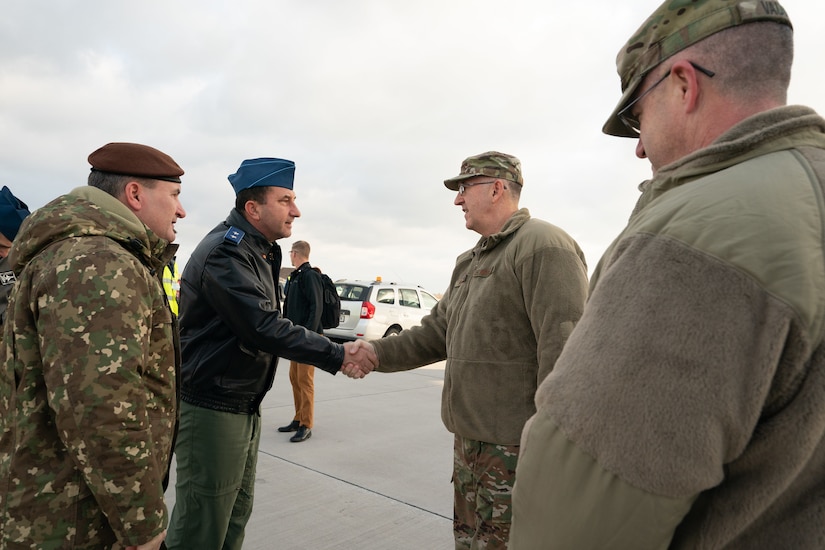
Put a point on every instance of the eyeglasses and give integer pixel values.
(463, 186)
(626, 115)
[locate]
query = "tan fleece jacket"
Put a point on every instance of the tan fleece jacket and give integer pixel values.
(688, 407)
(513, 301)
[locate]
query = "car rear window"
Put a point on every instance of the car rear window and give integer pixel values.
(355, 293)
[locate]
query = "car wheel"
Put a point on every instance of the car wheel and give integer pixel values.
(392, 331)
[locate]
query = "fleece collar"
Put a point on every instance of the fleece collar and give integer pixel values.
(775, 130)
(512, 225)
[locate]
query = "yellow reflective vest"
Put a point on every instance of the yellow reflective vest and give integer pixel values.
(171, 285)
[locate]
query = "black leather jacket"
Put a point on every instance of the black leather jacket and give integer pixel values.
(232, 332)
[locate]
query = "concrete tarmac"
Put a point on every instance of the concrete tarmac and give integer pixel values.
(375, 475)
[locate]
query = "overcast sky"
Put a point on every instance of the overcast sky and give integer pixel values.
(377, 102)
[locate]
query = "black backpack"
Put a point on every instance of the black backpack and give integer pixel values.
(331, 316)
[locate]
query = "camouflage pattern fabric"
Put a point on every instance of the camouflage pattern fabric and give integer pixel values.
(6, 283)
(673, 27)
(87, 383)
(492, 164)
(483, 479)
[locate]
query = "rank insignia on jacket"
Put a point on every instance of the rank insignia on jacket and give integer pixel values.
(234, 235)
(7, 278)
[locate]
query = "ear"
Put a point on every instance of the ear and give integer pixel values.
(133, 196)
(688, 84)
(498, 190)
(252, 210)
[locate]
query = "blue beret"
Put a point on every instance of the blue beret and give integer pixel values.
(12, 213)
(263, 172)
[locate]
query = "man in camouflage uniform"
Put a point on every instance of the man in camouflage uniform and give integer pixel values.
(87, 366)
(12, 213)
(686, 410)
(512, 301)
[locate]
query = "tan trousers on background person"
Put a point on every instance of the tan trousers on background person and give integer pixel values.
(302, 378)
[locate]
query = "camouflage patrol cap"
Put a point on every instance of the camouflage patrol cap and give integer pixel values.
(676, 25)
(134, 159)
(491, 163)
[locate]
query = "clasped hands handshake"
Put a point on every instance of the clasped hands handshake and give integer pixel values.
(360, 359)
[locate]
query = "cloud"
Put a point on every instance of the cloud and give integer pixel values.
(377, 103)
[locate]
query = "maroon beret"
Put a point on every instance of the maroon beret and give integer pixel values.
(134, 159)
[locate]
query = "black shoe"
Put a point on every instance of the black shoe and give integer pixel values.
(302, 434)
(291, 427)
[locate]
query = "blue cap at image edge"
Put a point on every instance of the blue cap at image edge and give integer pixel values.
(263, 172)
(12, 213)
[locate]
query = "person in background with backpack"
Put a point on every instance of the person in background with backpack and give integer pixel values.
(303, 305)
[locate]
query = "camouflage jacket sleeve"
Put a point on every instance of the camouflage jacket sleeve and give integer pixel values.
(109, 371)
